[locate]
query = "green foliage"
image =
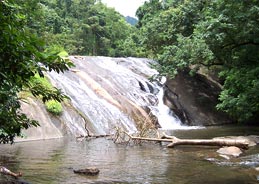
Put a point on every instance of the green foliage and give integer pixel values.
(194, 34)
(57, 49)
(85, 27)
(131, 46)
(54, 107)
(240, 95)
(21, 57)
(38, 84)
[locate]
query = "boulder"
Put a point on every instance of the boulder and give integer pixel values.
(231, 151)
(194, 99)
(88, 171)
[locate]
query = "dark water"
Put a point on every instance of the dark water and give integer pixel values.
(53, 161)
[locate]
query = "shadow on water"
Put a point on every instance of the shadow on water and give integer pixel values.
(53, 161)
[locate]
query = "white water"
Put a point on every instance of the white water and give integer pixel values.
(109, 92)
(114, 78)
(104, 116)
(166, 118)
(166, 121)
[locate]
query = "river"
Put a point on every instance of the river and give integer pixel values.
(53, 161)
(108, 93)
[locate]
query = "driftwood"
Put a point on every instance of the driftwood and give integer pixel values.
(6, 171)
(174, 141)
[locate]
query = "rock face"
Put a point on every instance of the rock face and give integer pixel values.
(193, 99)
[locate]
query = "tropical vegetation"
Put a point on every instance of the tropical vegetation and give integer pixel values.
(221, 36)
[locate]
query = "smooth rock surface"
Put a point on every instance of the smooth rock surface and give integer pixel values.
(194, 100)
(232, 151)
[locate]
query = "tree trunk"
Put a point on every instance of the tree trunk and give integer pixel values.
(6, 171)
(174, 141)
(209, 142)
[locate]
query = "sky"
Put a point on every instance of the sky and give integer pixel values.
(125, 7)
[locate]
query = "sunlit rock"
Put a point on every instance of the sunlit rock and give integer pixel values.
(230, 151)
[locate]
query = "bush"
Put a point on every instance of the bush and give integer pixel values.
(54, 107)
(57, 49)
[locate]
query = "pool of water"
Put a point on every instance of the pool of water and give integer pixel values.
(53, 161)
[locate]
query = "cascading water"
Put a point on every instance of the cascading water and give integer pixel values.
(109, 93)
(166, 117)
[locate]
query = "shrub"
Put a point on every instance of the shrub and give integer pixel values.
(54, 107)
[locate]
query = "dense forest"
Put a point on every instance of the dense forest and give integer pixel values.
(219, 37)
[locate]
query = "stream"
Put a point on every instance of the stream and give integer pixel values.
(53, 161)
(116, 92)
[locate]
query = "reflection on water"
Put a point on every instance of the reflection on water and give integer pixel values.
(53, 161)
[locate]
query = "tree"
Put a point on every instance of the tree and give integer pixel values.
(160, 24)
(21, 58)
(232, 36)
(85, 27)
(102, 31)
(219, 35)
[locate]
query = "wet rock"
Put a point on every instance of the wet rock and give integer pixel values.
(224, 156)
(88, 171)
(193, 99)
(254, 140)
(232, 151)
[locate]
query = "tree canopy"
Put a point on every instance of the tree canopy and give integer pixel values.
(219, 35)
(84, 27)
(21, 57)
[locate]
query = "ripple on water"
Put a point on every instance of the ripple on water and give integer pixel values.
(149, 163)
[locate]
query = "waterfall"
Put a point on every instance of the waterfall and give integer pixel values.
(113, 92)
(166, 117)
(106, 93)
(106, 90)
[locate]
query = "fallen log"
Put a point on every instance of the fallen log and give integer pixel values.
(6, 171)
(207, 142)
(174, 141)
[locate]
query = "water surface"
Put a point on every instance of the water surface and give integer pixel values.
(53, 161)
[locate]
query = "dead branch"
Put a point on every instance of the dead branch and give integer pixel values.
(6, 171)
(148, 138)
